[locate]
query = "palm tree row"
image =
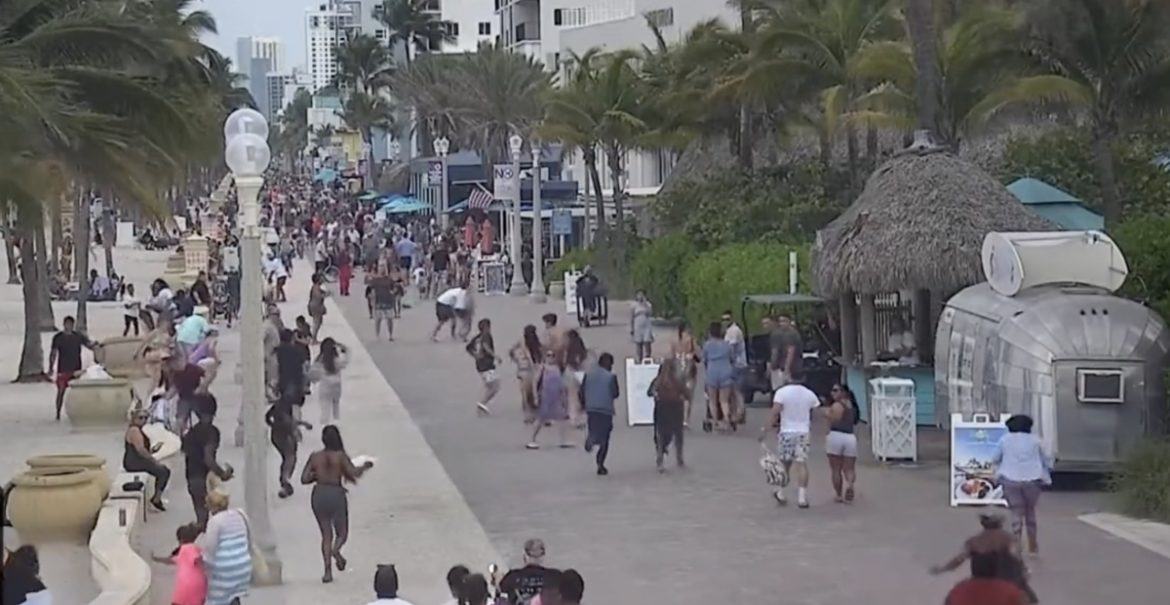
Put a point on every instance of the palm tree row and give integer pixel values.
(100, 95)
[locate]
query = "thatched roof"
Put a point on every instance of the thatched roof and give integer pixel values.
(919, 224)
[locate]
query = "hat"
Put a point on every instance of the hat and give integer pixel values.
(202, 310)
(534, 548)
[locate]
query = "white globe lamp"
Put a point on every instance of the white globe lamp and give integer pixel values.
(247, 154)
(245, 121)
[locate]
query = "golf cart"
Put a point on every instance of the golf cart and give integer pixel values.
(821, 343)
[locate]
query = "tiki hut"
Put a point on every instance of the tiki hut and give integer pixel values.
(915, 231)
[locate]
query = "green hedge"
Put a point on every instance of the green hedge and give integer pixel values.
(576, 258)
(659, 268)
(1142, 483)
(717, 280)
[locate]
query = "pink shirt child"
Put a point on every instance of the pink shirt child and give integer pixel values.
(190, 578)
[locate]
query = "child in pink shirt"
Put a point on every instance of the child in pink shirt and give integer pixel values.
(190, 578)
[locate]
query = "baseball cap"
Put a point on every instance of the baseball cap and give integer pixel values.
(534, 548)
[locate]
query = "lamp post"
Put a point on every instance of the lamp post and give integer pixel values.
(519, 288)
(442, 146)
(537, 295)
(247, 155)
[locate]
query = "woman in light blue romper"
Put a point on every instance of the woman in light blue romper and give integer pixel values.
(641, 326)
(718, 376)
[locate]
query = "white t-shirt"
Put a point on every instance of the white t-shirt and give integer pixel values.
(455, 298)
(274, 267)
(797, 403)
(319, 252)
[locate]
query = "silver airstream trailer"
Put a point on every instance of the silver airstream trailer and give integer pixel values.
(1046, 337)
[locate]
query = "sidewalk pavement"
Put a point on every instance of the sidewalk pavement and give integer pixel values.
(405, 511)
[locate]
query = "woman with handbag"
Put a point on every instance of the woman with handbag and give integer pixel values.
(228, 552)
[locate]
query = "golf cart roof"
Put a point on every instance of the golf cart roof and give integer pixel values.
(782, 299)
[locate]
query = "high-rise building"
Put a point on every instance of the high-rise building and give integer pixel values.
(322, 34)
(255, 58)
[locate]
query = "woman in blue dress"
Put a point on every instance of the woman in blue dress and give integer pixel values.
(554, 401)
(718, 377)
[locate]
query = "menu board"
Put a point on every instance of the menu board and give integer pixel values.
(973, 470)
(495, 279)
(639, 405)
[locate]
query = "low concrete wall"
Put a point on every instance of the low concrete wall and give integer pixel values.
(121, 575)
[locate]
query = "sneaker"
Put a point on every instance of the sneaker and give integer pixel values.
(801, 503)
(780, 499)
(482, 409)
(602, 471)
(533, 446)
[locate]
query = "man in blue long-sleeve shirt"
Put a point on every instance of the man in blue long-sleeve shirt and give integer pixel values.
(599, 390)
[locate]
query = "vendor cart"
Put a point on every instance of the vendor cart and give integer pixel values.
(821, 370)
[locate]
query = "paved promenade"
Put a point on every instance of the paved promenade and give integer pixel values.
(713, 534)
(405, 511)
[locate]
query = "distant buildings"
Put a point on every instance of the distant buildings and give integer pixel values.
(256, 57)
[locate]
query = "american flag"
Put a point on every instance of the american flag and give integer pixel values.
(479, 199)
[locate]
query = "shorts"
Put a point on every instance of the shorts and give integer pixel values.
(841, 444)
(793, 447)
(63, 379)
(444, 312)
(489, 376)
(778, 378)
(381, 314)
(404, 262)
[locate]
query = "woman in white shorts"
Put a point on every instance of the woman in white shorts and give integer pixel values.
(841, 442)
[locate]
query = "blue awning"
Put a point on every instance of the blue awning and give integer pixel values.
(325, 175)
(408, 207)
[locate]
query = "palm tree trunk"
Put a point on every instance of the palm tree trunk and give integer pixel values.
(826, 161)
(594, 176)
(746, 153)
(108, 239)
(44, 274)
(10, 238)
(614, 156)
(1103, 137)
(32, 354)
(55, 236)
(920, 23)
(871, 147)
(852, 154)
(81, 227)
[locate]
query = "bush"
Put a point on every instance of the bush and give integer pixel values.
(1144, 242)
(717, 280)
(1142, 483)
(658, 269)
(576, 259)
(785, 203)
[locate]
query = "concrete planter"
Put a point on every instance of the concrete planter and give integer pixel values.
(96, 465)
(557, 290)
(98, 404)
(116, 355)
(54, 504)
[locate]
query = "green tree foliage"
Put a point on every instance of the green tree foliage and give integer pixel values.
(1142, 484)
(1144, 241)
(717, 280)
(785, 203)
(1065, 159)
(658, 269)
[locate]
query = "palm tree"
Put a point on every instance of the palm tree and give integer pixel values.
(364, 64)
(922, 30)
(430, 87)
(982, 64)
(416, 25)
(82, 91)
(573, 118)
(364, 113)
(1111, 61)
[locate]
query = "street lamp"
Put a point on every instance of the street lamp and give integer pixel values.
(247, 155)
(537, 294)
(519, 288)
(442, 146)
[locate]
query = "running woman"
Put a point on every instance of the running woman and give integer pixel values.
(483, 349)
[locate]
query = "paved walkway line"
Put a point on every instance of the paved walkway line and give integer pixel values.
(1150, 535)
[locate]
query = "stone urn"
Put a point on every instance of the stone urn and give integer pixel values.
(99, 403)
(116, 355)
(54, 504)
(96, 465)
(556, 290)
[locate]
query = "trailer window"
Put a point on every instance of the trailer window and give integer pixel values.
(1100, 386)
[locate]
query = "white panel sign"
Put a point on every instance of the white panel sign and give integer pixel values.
(504, 182)
(639, 405)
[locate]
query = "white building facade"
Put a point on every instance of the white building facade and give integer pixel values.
(256, 57)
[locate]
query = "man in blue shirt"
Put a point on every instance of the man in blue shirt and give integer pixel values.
(404, 248)
(599, 390)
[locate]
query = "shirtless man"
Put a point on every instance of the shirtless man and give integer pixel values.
(554, 337)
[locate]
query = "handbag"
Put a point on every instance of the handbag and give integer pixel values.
(259, 563)
(774, 472)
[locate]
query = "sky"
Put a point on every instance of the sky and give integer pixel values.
(284, 19)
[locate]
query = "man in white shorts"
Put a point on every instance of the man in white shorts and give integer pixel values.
(792, 408)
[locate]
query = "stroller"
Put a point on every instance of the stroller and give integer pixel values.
(221, 300)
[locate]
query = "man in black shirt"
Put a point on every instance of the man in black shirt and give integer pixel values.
(200, 291)
(384, 294)
(292, 360)
(523, 584)
(200, 445)
(440, 259)
(65, 357)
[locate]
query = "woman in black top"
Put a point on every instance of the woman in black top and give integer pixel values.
(139, 456)
(200, 445)
(284, 438)
(483, 349)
